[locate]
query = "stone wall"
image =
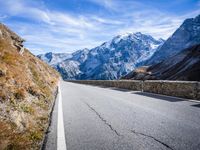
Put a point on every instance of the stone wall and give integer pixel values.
(184, 89)
(134, 85)
(198, 92)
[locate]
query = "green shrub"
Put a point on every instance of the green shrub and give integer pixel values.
(36, 136)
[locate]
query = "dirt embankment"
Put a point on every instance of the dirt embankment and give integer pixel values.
(27, 92)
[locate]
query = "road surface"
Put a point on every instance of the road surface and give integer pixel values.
(97, 118)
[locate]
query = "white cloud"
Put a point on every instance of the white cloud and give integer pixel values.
(106, 21)
(2, 17)
(24, 10)
(53, 30)
(110, 4)
(63, 18)
(156, 24)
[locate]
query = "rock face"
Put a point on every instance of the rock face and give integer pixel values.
(110, 60)
(183, 66)
(27, 88)
(68, 65)
(187, 35)
(15, 40)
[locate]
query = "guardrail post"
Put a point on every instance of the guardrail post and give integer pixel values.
(142, 85)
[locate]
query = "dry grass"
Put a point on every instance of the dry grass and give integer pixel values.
(20, 93)
(26, 87)
(27, 109)
(142, 69)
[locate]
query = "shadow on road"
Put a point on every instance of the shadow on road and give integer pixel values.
(196, 105)
(122, 90)
(161, 97)
(114, 88)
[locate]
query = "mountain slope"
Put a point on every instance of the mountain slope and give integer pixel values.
(187, 35)
(110, 60)
(183, 66)
(52, 58)
(27, 88)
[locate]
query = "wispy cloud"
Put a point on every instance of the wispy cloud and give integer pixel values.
(110, 4)
(63, 31)
(198, 3)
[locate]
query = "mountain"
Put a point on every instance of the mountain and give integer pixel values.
(187, 35)
(53, 58)
(27, 88)
(183, 66)
(66, 64)
(110, 60)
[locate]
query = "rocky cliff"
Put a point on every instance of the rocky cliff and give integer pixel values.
(182, 66)
(187, 35)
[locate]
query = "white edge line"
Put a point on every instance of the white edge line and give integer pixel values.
(61, 142)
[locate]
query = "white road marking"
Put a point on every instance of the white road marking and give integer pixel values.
(61, 142)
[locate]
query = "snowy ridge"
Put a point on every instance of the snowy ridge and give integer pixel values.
(187, 35)
(110, 60)
(182, 66)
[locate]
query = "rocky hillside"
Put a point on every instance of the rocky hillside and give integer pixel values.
(110, 60)
(187, 35)
(27, 88)
(183, 66)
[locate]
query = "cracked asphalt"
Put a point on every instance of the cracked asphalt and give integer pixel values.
(97, 118)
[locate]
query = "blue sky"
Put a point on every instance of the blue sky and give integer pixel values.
(69, 25)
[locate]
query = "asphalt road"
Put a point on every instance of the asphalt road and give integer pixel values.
(97, 118)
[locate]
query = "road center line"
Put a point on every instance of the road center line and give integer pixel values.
(61, 142)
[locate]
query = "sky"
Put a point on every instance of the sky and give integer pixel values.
(64, 26)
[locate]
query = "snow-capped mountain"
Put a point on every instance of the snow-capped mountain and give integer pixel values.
(54, 58)
(187, 35)
(182, 66)
(110, 60)
(70, 68)
(118, 56)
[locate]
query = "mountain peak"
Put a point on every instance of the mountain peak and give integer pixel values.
(138, 33)
(130, 34)
(191, 22)
(110, 60)
(132, 37)
(185, 36)
(197, 18)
